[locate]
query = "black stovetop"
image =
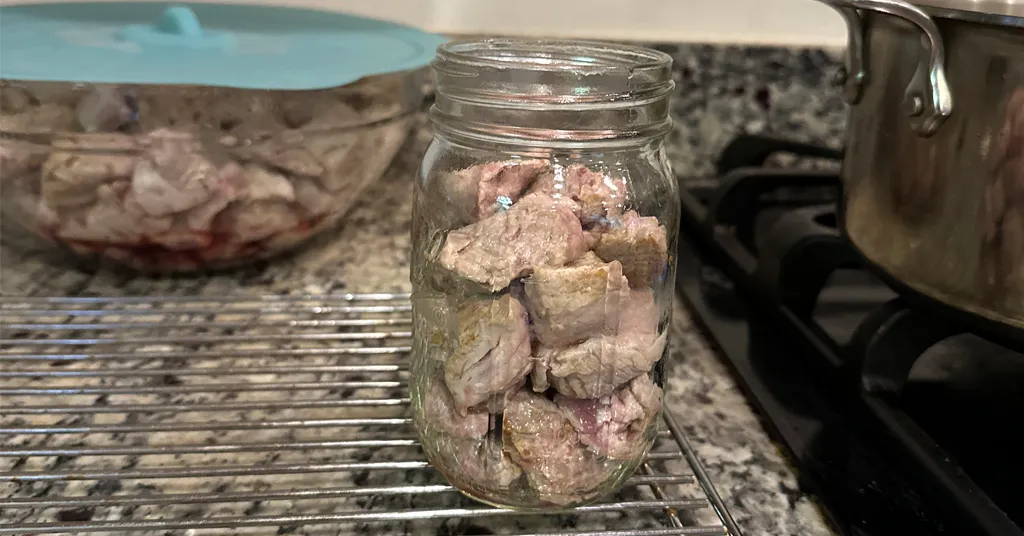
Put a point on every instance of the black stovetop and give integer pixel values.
(898, 418)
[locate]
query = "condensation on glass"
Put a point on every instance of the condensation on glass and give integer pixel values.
(544, 240)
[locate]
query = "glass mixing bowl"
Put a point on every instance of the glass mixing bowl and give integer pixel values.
(168, 178)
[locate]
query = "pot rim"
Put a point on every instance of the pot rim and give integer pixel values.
(991, 12)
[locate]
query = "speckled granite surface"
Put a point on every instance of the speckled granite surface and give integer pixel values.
(722, 91)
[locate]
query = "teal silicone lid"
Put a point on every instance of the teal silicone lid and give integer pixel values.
(233, 45)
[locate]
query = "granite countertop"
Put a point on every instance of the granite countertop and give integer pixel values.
(722, 91)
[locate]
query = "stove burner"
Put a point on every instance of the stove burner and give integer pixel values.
(843, 367)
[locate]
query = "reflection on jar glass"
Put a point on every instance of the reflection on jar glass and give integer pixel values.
(544, 240)
(1002, 213)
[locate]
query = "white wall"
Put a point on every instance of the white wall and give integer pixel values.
(788, 22)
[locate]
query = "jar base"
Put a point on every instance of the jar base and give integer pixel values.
(487, 497)
(524, 508)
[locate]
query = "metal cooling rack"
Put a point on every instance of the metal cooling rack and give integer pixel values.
(258, 415)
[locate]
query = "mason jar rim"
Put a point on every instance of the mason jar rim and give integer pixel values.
(579, 56)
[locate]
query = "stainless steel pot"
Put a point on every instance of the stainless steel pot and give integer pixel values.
(933, 175)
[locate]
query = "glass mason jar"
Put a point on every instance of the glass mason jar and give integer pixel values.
(544, 240)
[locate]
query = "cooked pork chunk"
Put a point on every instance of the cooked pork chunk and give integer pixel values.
(570, 304)
(439, 410)
(481, 190)
(544, 443)
(599, 196)
(266, 185)
(108, 220)
(42, 119)
(72, 180)
(537, 231)
(480, 465)
(588, 259)
(231, 186)
(493, 351)
(18, 158)
(614, 426)
(466, 454)
(258, 220)
(597, 366)
(640, 244)
(174, 177)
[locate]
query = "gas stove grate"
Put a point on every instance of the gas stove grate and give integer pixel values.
(258, 415)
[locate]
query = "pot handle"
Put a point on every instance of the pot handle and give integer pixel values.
(928, 100)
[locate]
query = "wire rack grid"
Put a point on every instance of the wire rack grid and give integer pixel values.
(259, 415)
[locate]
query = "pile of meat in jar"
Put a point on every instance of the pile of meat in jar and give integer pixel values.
(546, 383)
(168, 179)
